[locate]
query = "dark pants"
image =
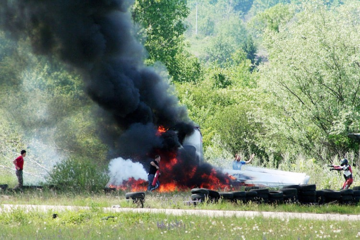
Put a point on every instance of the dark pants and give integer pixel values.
(150, 179)
(19, 174)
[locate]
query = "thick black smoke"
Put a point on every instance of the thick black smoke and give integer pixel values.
(95, 37)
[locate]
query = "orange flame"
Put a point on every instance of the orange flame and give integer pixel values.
(160, 130)
(191, 175)
(131, 184)
(210, 181)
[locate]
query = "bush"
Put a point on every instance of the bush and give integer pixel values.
(78, 175)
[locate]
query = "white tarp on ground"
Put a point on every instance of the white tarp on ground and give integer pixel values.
(267, 177)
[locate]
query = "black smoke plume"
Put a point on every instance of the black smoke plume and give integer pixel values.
(96, 38)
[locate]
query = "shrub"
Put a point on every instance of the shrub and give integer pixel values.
(78, 175)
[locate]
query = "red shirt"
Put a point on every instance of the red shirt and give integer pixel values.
(19, 162)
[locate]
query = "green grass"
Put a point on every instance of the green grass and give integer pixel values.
(174, 200)
(9, 178)
(95, 224)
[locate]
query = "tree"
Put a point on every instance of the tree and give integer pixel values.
(221, 104)
(312, 78)
(262, 5)
(220, 30)
(231, 36)
(250, 49)
(161, 32)
(243, 5)
(271, 19)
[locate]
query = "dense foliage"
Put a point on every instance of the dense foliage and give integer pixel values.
(78, 175)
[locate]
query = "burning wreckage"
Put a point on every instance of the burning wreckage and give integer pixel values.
(183, 167)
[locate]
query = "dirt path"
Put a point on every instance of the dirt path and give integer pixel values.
(180, 212)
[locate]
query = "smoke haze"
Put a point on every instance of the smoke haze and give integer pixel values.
(121, 170)
(96, 38)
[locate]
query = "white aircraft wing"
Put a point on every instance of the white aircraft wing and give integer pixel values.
(267, 177)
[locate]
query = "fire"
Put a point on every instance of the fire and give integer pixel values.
(180, 171)
(160, 130)
(132, 185)
(213, 182)
(169, 184)
(169, 187)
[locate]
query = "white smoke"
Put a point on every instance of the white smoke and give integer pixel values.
(121, 169)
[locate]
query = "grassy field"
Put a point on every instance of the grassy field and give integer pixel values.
(95, 224)
(175, 200)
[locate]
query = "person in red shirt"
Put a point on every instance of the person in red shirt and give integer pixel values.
(19, 165)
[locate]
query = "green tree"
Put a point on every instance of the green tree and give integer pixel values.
(243, 5)
(312, 79)
(250, 49)
(230, 37)
(221, 104)
(271, 19)
(161, 32)
(220, 31)
(262, 5)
